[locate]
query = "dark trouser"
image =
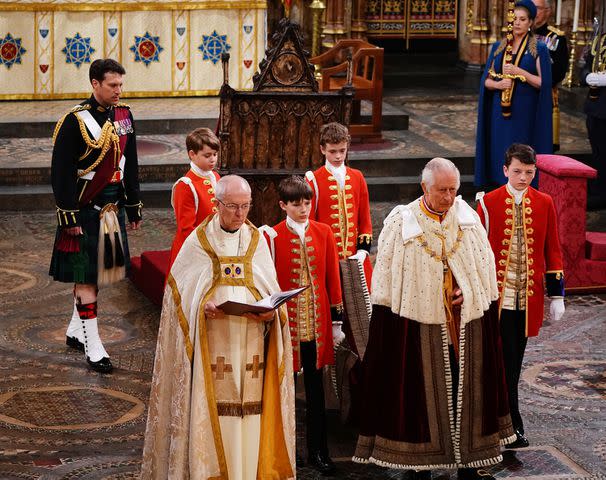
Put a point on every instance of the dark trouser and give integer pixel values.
(315, 415)
(596, 131)
(454, 374)
(513, 337)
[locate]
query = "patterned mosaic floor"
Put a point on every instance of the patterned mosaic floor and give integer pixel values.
(58, 420)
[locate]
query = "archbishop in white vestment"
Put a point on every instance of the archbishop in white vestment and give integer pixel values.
(222, 396)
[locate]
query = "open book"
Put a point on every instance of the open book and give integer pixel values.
(266, 304)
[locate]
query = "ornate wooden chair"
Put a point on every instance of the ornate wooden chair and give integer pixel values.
(367, 80)
(274, 130)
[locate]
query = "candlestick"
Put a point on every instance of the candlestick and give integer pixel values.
(575, 23)
(559, 13)
(568, 82)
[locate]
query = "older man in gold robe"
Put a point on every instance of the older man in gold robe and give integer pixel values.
(222, 397)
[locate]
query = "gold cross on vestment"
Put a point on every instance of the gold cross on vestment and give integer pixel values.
(221, 367)
(255, 366)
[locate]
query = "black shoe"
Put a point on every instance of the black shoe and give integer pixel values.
(102, 366)
(520, 442)
(321, 463)
(73, 342)
(473, 474)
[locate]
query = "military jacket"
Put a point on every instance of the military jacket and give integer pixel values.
(543, 258)
(558, 51)
(77, 154)
(595, 105)
(346, 212)
(313, 263)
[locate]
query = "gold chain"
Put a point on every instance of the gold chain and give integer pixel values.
(107, 139)
(438, 256)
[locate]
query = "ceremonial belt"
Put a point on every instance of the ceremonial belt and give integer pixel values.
(95, 129)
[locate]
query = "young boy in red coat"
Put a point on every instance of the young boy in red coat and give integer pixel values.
(521, 226)
(340, 198)
(193, 196)
(305, 253)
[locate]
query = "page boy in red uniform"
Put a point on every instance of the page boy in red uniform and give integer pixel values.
(193, 196)
(305, 253)
(340, 198)
(521, 226)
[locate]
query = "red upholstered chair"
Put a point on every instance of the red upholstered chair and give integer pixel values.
(565, 179)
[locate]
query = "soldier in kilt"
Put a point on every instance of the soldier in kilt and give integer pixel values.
(95, 182)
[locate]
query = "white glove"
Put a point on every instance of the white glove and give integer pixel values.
(596, 79)
(337, 333)
(360, 256)
(556, 309)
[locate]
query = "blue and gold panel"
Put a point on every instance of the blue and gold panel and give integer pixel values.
(212, 33)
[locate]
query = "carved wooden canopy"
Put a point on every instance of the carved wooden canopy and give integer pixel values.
(285, 67)
(274, 130)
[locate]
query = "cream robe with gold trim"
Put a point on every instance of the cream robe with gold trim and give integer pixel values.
(470, 259)
(188, 434)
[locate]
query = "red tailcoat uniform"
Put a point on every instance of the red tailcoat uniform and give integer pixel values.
(543, 256)
(346, 212)
(187, 215)
(295, 264)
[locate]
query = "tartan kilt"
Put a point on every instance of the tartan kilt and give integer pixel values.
(61, 267)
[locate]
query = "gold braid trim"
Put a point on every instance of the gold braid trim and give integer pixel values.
(62, 119)
(557, 31)
(107, 139)
(598, 50)
(365, 238)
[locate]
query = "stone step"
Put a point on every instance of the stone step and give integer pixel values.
(396, 189)
(169, 172)
(393, 119)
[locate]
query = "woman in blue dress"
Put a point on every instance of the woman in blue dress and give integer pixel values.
(530, 113)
